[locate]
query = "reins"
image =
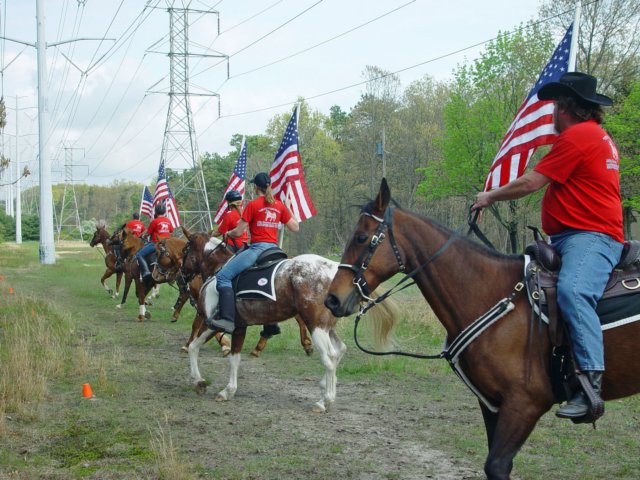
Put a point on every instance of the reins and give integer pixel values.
(496, 312)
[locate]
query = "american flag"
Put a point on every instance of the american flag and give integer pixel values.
(287, 176)
(236, 182)
(533, 124)
(163, 193)
(146, 204)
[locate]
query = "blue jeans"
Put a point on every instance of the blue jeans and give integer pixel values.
(240, 263)
(146, 250)
(587, 261)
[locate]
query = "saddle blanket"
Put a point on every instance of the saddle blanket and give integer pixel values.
(258, 282)
(613, 311)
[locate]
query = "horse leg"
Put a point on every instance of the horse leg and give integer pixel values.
(511, 428)
(329, 356)
(234, 363)
(305, 341)
(118, 281)
(106, 275)
(177, 307)
(490, 419)
(224, 343)
(127, 284)
(194, 351)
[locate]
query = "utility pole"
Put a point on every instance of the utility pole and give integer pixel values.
(47, 247)
(179, 144)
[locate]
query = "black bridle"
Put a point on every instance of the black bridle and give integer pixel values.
(385, 224)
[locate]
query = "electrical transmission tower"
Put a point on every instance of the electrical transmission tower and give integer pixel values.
(179, 146)
(69, 218)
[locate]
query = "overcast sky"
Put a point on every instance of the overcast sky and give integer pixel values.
(100, 106)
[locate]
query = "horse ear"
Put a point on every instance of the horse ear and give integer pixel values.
(185, 232)
(384, 196)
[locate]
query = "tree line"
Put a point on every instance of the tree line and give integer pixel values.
(435, 140)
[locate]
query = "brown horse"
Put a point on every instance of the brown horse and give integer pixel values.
(301, 284)
(167, 269)
(462, 281)
(101, 236)
(130, 246)
(203, 266)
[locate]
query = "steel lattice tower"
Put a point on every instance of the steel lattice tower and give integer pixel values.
(69, 218)
(179, 147)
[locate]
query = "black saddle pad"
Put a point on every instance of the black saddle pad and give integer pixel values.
(258, 282)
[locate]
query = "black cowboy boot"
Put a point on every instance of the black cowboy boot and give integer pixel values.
(270, 330)
(144, 268)
(579, 405)
(227, 311)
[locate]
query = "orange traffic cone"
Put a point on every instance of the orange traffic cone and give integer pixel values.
(86, 391)
(10, 290)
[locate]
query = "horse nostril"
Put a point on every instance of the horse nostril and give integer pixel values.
(331, 302)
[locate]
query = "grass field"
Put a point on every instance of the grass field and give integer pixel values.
(394, 417)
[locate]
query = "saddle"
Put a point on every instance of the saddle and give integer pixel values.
(617, 305)
(258, 281)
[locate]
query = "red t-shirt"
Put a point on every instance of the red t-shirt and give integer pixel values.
(136, 226)
(230, 220)
(159, 228)
(264, 218)
(584, 192)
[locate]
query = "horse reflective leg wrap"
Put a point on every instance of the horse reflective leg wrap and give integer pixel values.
(586, 405)
(270, 330)
(227, 309)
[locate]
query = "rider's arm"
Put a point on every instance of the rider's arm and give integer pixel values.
(528, 183)
(292, 225)
(239, 230)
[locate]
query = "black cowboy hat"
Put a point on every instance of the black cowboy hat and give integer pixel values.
(574, 84)
(261, 180)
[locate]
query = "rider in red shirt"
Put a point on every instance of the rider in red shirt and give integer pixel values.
(135, 225)
(230, 220)
(159, 228)
(262, 217)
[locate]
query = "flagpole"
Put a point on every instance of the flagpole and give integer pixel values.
(573, 51)
(141, 200)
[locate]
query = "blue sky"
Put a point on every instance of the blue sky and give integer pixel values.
(114, 126)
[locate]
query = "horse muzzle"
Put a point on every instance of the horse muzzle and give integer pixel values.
(342, 307)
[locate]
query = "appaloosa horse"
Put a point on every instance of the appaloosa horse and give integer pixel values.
(101, 236)
(301, 284)
(463, 282)
(201, 265)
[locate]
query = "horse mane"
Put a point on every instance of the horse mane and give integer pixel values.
(369, 208)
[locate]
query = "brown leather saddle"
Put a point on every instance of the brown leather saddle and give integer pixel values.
(616, 306)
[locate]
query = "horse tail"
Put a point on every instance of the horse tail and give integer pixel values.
(384, 317)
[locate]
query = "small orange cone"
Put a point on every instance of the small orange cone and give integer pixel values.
(86, 391)
(10, 290)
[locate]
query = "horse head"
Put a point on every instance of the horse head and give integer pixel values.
(130, 243)
(360, 271)
(169, 253)
(100, 235)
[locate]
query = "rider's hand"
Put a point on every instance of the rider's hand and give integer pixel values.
(483, 200)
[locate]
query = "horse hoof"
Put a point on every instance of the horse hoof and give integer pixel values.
(201, 387)
(140, 319)
(226, 351)
(119, 306)
(318, 408)
(147, 315)
(174, 320)
(110, 292)
(255, 353)
(184, 349)
(308, 351)
(221, 398)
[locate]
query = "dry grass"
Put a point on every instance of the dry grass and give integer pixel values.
(34, 350)
(168, 464)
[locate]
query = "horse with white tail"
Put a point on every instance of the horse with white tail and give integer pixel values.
(300, 285)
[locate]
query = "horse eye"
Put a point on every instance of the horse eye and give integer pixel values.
(361, 238)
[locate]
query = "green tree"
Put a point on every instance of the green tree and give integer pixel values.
(485, 97)
(624, 126)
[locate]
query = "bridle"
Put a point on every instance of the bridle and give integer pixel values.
(164, 252)
(385, 224)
